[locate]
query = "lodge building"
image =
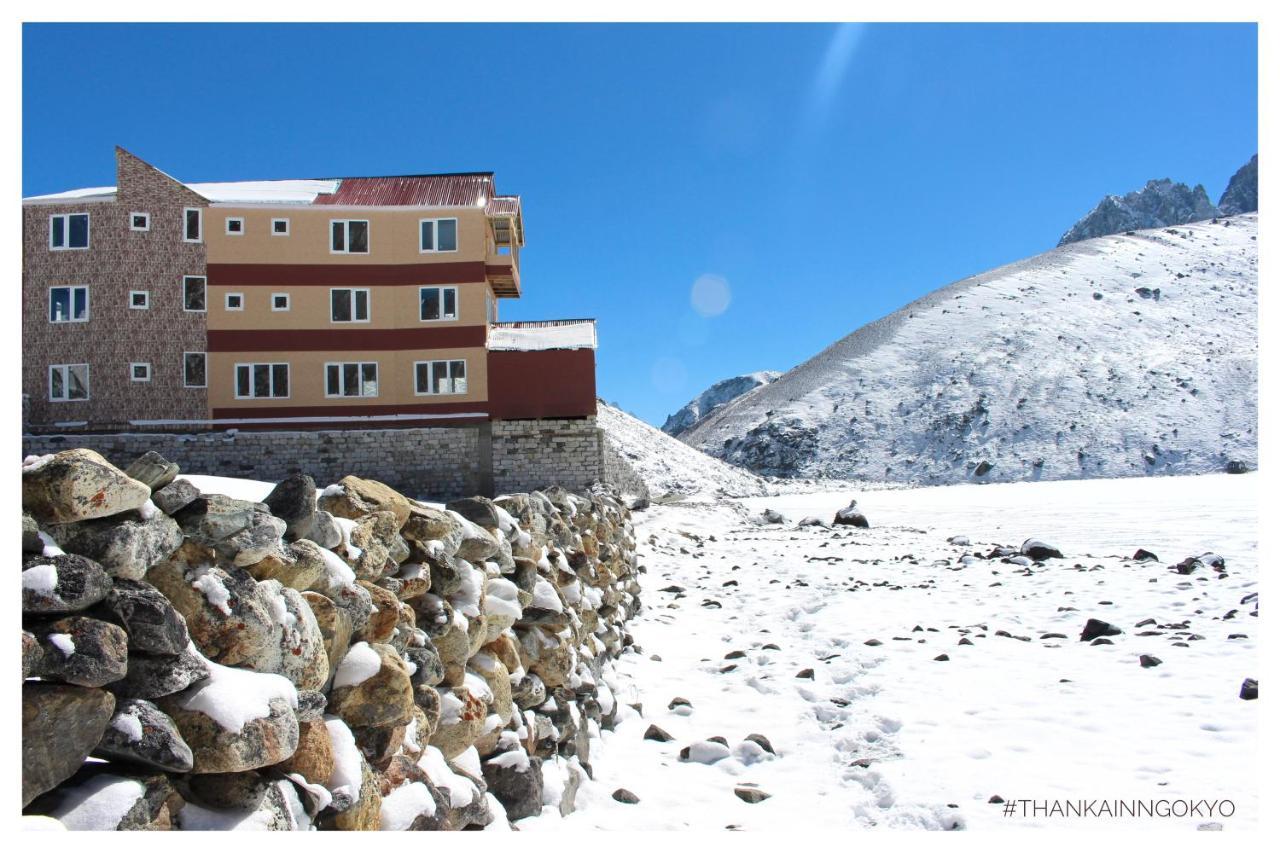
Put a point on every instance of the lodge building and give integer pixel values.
(286, 305)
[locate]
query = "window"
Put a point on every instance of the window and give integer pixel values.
(438, 235)
(193, 293)
(140, 299)
(69, 304)
(351, 379)
(348, 305)
(235, 225)
(349, 236)
(235, 302)
(262, 380)
(279, 302)
(440, 377)
(192, 224)
(69, 231)
(139, 371)
(280, 228)
(437, 303)
(193, 370)
(139, 221)
(68, 382)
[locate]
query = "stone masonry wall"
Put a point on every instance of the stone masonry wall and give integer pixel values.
(532, 454)
(117, 261)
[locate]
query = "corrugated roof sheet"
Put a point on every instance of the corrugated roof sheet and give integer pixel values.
(473, 189)
(503, 205)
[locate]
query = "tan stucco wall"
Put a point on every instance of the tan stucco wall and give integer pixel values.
(307, 377)
(389, 308)
(393, 235)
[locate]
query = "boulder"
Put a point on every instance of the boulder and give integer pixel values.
(152, 469)
(76, 485)
(323, 530)
(477, 510)
(296, 648)
(334, 625)
(426, 525)
(175, 496)
(82, 650)
(1095, 628)
(125, 547)
(152, 676)
(365, 810)
(62, 584)
(462, 717)
(240, 532)
(294, 500)
(354, 497)
(61, 724)
(228, 619)
(301, 565)
(242, 791)
(132, 800)
(141, 733)
(32, 655)
(516, 780)
(1037, 550)
(371, 688)
(152, 623)
(382, 621)
(313, 759)
(851, 516)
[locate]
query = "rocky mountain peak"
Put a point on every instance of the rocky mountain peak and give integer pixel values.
(1241, 195)
(1159, 204)
(713, 398)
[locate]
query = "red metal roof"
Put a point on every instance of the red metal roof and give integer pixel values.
(427, 190)
(503, 205)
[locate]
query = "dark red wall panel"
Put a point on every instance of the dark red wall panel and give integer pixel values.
(542, 384)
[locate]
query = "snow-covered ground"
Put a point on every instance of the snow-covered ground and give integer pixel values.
(886, 735)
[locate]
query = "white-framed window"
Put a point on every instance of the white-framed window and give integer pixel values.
(68, 382)
(192, 225)
(438, 235)
(139, 371)
(69, 231)
(140, 300)
(351, 379)
(440, 377)
(194, 370)
(235, 226)
(349, 236)
(349, 304)
(69, 304)
(139, 221)
(279, 302)
(280, 228)
(235, 302)
(262, 380)
(437, 303)
(193, 293)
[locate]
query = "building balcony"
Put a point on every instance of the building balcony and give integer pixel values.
(503, 272)
(542, 369)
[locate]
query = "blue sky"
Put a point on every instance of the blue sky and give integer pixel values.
(821, 176)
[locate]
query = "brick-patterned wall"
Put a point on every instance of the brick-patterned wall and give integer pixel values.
(118, 260)
(425, 462)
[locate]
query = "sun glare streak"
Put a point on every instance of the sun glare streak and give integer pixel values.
(831, 72)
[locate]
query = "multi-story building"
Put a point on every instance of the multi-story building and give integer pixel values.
(290, 304)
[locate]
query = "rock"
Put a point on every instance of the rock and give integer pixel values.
(124, 547)
(772, 516)
(850, 516)
(323, 530)
(153, 807)
(152, 469)
(1148, 661)
(750, 795)
(240, 532)
(1235, 466)
(227, 617)
(242, 791)
(32, 655)
(371, 688)
(705, 752)
(313, 759)
(301, 565)
(944, 657)
(294, 500)
(354, 498)
(31, 541)
(334, 625)
(477, 510)
(655, 732)
(61, 724)
(461, 720)
(382, 622)
(296, 648)
(622, 795)
(76, 485)
(516, 780)
(1095, 628)
(152, 623)
(62, 584)
(1142, 555)
(1249, 689)
(762, 742)
(428, 671)
(365, 813)
(805, 673)
(983, 469)
(141, 733)
(529, 693)
(427, 524)
(380, 546)
(152, 676)
(261, 742)
(1037, 550)
(378, 745)
(82, 650)
(173, 497)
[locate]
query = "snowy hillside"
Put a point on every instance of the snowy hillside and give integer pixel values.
(724, 391)
(1119, 356)
(668, 466)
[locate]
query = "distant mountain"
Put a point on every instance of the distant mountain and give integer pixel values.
(1157, 205)
(1112, 357)
(713, 398)
(1241, 195)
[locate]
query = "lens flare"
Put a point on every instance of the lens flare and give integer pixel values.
(710, 295)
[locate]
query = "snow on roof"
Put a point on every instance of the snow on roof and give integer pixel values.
(545, 335)
(73, 195)
(249, 192)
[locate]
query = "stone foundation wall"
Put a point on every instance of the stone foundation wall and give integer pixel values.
(425, 462)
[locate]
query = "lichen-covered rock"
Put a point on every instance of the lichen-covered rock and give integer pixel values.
(151, 621)
(462, 717)
(228, 620)
(154, 800)
(241, 791)
(477, 510)
(296, 648)
(354, 497)
(313, 759)
(294, 500)
(300, 565)
(76, 485)
(65, 583)
(141, 733)
(335, 627)
(365, 811)
(371, 688)
(82, 650)
(382, 621)
(427, 524)
(61, 724)
(125, 547)
(516, 780)
(173, 497)
(153, 676)
(152, 469)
